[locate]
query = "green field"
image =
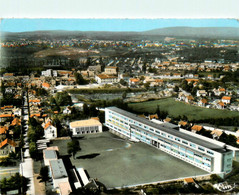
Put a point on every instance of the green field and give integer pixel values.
(175, 109)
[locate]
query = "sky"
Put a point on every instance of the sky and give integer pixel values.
(23, 25)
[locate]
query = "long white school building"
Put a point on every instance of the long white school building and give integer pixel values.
(211, 156)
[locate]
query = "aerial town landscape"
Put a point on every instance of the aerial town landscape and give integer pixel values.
(120, 112)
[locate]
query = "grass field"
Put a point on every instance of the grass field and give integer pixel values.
(117, 162)
(175, 108)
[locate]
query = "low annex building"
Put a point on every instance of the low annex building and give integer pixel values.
(86, 126)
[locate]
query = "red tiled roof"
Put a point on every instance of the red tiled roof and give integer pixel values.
(7, 141)
(183, 123)
(226, 98)
(16, 121)
(196, 127)
(3, 129)
(204, 101)
(47, 85)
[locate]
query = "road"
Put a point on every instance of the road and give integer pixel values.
(26, 167)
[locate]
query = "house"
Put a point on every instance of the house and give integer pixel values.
(34, 102)
(3, 132)
(220, 105)
(201, 93)
(187, 181)
(219, 91)
(167, 120)
(85, 127)
(226, 99)
(196, 128)
(189, 99)
(50, 131)
(153, 116)
(104, 79)
(6, 147)
(216, 133)
(45, 85)
(202, 102)
(16, 122)
(182, 123)
(134, 81)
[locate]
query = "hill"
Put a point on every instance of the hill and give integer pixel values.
(156, 34)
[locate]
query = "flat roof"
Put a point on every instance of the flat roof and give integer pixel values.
(58, 169)
(50, 154)
(65, 188)
(174, 132)
(85, 123)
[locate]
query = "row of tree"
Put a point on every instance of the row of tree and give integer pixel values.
(15, 182)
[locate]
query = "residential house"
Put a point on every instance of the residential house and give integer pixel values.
(16, 122)
(35, 102)
(153, 116)
(3, 132)
(182, 123)
(50, 131)
(85, 127)
(134, 81)
(220, 105)
(45, 85)
(201, 93)
(219, 91)
(189, 99)
(167, 120)
(226, 99)
(196, 128)
(216, 134)
(203, 102)
(6, 147)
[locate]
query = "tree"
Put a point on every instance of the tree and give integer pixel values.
(176, 88)
(44, 173)
(33, 150)
(63, 99)
(79, 79)
(147, 85)
(73, 147)
(15, 182)
(86, 109)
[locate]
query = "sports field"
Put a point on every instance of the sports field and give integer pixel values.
(116, 162)
(175, 109)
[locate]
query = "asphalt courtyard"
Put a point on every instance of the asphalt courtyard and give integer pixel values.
(116, 162)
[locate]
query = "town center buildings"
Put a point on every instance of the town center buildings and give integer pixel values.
(211, 156)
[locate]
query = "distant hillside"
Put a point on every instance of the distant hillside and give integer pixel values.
(156, 34)
(197, 32)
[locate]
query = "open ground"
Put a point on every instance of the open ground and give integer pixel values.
(175, 109)
(116, 162)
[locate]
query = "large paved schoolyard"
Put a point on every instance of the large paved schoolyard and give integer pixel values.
(116, 162)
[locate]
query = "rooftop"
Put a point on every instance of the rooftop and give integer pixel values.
(58, 169)
(174, 132)
(50, 154)
(84, 123)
